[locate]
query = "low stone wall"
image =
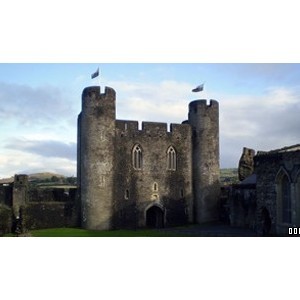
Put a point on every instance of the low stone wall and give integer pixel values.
(23, 208)
(49, 215)
(51, 195)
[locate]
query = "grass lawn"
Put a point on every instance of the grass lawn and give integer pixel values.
(212, 229)
(78, 232)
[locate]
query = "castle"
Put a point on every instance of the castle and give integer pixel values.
(155, 177)
(131, 178)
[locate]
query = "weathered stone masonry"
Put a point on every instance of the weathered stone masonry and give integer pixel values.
(278, 189)
(36, 208)
(269, 199)
(130, 178)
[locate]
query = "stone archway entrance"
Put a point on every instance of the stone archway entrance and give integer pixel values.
(155, 217)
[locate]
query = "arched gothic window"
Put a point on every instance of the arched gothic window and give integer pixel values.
(137, 159)
(171, 159)
(286, 200)
(284, 197)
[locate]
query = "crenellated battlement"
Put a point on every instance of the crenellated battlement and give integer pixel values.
(92, 96)
(154, 127)
(99, 104)
(203, 104)
(95, 92)
(91, 91)
(129, 127)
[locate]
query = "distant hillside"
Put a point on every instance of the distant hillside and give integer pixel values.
(6, 180)
(44, 175)
(46, 179)
(229, 176)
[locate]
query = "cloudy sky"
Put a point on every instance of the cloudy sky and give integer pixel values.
(48, 55)
(259, 106)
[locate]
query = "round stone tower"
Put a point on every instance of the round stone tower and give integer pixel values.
(96, 128)
(204, 120)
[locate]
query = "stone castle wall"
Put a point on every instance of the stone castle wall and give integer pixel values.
(154, 183)
(114, 194)
(269, 167)
(36, 208)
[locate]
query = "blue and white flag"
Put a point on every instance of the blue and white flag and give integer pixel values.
(199, 88)
(96, 74)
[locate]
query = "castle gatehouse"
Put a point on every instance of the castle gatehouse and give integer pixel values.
(130, 178)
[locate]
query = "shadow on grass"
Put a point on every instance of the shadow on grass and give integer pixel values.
(203, 230)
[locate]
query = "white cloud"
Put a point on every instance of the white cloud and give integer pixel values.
(19, 162)
(44, 148)
(28, 106)
(263, 122)
(38, 127)
(163, 102)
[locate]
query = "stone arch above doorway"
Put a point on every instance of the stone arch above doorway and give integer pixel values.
(155, 216)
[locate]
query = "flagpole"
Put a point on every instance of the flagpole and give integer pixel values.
(96, 74)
